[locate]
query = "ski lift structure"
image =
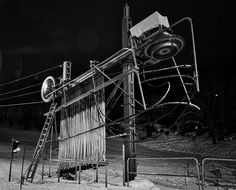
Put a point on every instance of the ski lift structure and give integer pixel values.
(149, 55)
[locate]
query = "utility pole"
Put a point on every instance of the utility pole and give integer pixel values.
(129, 105)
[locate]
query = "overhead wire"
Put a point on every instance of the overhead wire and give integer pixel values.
(4, 84)
(17, 90)
(20, 95)
(77, 134)
(119, 122)
(21, 104)
(164, 115)
(155, 106)
(24, 88)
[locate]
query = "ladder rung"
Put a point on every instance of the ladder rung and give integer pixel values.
(40, 145)
(41, 142)
(38, 150)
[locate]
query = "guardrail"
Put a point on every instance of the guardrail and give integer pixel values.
(219, 171)
(185, 173)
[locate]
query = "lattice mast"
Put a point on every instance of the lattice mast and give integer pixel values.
(128, 98)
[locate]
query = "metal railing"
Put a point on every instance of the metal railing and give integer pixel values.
(219, 171)
(185, 173)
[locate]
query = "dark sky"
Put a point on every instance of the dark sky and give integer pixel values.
(39, 34)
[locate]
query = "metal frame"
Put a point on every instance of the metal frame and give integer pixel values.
(130, 53)
(212, 159)
(106, 64)
(196, 75)
(174, 175)
(77, 163)
(126, 53)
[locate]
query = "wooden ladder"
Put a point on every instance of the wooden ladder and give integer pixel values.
(31, 170)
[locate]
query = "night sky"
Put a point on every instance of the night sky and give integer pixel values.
(39, 34)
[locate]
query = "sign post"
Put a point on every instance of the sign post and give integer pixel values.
(11, 157)
(22, 168)
(14, 149)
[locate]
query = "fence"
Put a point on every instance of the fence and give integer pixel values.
(213, 173)
(173, 168)
(77, 168)
(219, 172)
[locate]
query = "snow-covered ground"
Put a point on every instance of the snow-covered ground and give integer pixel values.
(161, 147)
(87, 179)
(201, 146)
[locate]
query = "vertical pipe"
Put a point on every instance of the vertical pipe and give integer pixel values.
(198, 175)
(194, 55)
(50, 156)
(128, 172)
(59, 171)
(11, 157)
(123, 163)
(105, 175)
(22, 168)
(187, 174)
(76, 170)
(79, 172)
(203, 174)
(55, 124)
(43, 168)
(187, 169)
(138, 77)
(96, 172)
(193, 46)
(128, 83)
(182, 81)
(165, 168)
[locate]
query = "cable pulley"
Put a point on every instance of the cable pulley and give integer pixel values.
(47, 89)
